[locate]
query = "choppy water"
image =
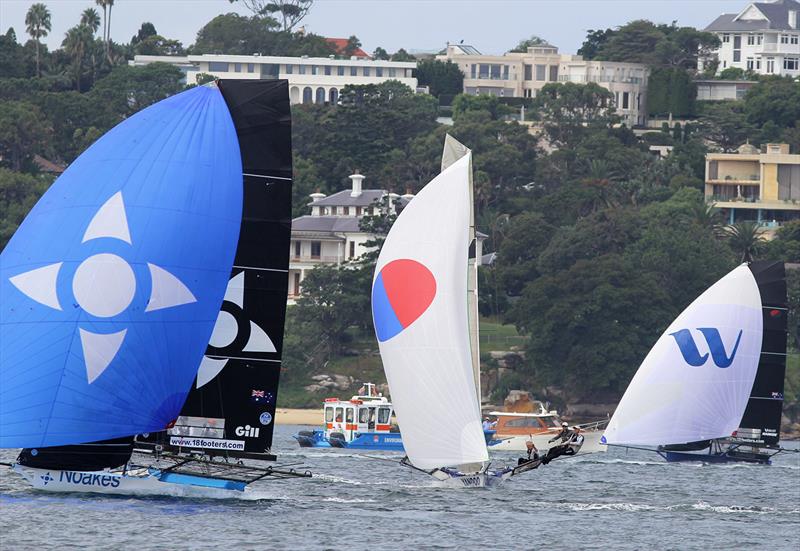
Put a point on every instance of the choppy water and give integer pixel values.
(617, 500)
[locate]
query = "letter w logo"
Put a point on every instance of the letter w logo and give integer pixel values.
(692, 355)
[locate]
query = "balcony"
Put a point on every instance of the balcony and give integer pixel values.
(320, 259)
(751, 180)
(780, 49)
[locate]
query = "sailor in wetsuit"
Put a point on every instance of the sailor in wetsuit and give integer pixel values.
(566, 435)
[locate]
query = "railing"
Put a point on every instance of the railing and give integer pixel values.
(584, 78)
(316, 259)
(773, 48)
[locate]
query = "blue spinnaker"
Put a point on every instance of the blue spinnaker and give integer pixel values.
(110, 288)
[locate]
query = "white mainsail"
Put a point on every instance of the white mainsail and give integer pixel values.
(453, 151)
(420, 313)
(695, 382)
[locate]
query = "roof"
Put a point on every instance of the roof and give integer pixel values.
(340, 45)
(46, 165)
(466, 49)
(344, 199)
(777, 14)
(332, 224)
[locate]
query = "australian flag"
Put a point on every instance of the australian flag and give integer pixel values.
(262, 397)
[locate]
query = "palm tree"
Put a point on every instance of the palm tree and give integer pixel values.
(38, 25)
(106, 5)
(91, 19)
(709, 216)
(77, 40)
(744, 238)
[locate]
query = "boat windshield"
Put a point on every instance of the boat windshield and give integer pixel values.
(383, 416)
(363, 415)
(551, 421)
(329, 415)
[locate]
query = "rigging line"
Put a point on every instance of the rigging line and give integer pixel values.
(250, 359)
(262, 269)
(266, 177)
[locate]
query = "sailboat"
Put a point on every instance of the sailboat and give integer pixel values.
(711, 389)
(155, 265)
(424, 307)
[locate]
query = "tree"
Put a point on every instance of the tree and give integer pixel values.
(443, 78)
(671, 90)
(37, 22)
(745, 240)
(732, 73)
(106, 5)
(128, 89)
(786, 244)
(773, 100)
(146, 30)
(526, 237)
(91, 19)
(523, 45)
(18, 193)
(595, 41)
(464, 103)
(76, 43)
(352, 46)
(402, 55)
(725, 124)
(158, 45)
(380, 53)
(23, 132)
(568, 110)
(291, 12)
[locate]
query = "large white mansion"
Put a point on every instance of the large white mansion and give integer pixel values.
(764, 38)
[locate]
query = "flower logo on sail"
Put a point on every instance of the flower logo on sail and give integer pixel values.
(103, 285)
(402, 292)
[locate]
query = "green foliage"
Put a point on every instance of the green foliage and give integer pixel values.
(725, 124)
(774, 100)
(380, 54)
(595, 41)
(128, 89)
(526, 237)
(568, 111)
(745, 240)
(732, 73)
(464, 103)
(785, 246)
(671, 90)
(18, 193)
(523, 45)
(24, 131)
(402, 55)
(441, 77)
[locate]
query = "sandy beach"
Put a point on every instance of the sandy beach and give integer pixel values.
(284, 416)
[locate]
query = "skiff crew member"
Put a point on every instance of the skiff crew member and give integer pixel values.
(575, 442)
(533, 453)
(564, 435)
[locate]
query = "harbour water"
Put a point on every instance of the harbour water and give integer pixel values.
(616, 500)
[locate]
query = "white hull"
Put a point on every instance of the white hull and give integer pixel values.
(591, 443)
(134, 482)
(475, 480)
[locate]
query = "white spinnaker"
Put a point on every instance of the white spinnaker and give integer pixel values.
(428, 364)
(670, 401)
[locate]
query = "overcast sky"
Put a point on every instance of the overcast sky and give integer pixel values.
(492, 26)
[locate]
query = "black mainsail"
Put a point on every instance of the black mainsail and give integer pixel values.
(231, 407)
(761, 422)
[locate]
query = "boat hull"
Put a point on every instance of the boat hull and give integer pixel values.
(489, 479)
(718, 457)
(137, 482)
(378, 441)
(591, 443)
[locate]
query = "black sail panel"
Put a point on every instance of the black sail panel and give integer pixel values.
(761, 422)
(237, 403)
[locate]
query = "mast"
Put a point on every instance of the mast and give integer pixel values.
(761, 421)
(234, 396)
(453, 151)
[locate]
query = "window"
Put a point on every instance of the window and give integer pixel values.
(333, 96)
(363, 415)
(750, 63)
(378, 71)
(528, 72)
(289, 69)
(320, 95)
(759, 39)
(313, 69)
(726, 38)
(296, 283)
(340, 70)
(251, 68)
(784, 39)
(737, 41)
(383, 416)
(350, 415)
(366, 71)
(352, 249)
(553, 73)
(237, 67)
(217, 67)
(483, 71)
(737, 56)
(353, 71)
(392, 72)
(301, 69)
(358, 211)
(472, 69)
(297, 249)
(339, 414)
(790, 63)
(523, 422)
(505, 72)
(770, 65)
(307, 94)
(625, 100)
(751, 39)
(794, 39)
(327, 70)
(316, 249)
(758, 64)
(495, 71)
(616, 98)
(540, 72)
(329, 415)
(347, 211)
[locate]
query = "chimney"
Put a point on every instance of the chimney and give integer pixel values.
(315, 209)
(357, 179)
(393, 197)
(793, 19)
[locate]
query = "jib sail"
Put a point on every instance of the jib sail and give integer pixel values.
(231, 407)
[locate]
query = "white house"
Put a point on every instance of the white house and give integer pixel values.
(311, 79)
(331, 233)
(764, 38)
(523, 74)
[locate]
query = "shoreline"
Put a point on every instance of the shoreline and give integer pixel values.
(292, 416)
